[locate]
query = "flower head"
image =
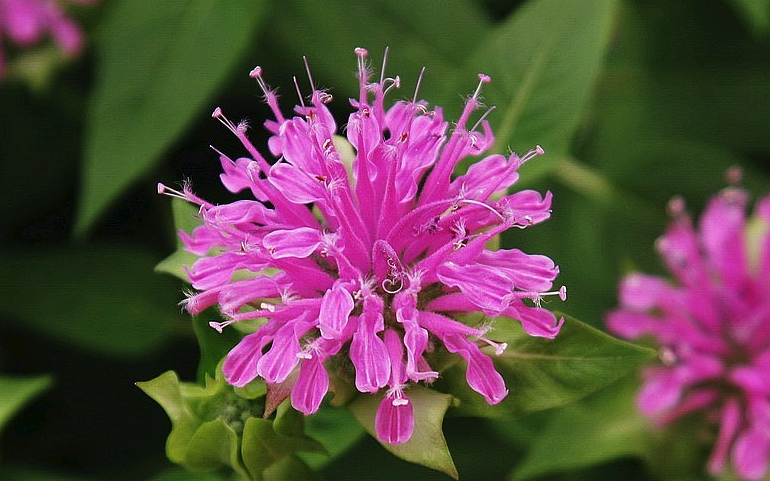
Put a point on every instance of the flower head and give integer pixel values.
(25, 22)
(369, 258)
(713, 323)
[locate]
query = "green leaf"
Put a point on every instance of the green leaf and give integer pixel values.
(542, 77)
(290, 468)
(213, 345)
(598, 429)
(17, 391)
(543, 373)
(158, 68)
(336, 429)
(185, 217)
(436, 34)
(756, 13)
(263, 446)
(104, 298)
(427, 446)
(166, 391)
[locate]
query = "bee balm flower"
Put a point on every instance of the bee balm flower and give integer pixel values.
(713, 324)
(370, 260)
(25, 22)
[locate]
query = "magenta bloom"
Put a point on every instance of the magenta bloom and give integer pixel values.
(26, 22)
(714, 328)
(372, 249)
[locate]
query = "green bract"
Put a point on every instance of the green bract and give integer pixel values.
(217, 426)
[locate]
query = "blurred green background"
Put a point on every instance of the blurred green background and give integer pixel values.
(634, 101)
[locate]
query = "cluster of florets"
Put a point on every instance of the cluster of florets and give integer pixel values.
(713, 325)
(370, 258)
(25, 22)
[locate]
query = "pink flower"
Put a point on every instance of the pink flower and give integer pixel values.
(26, 22)
(713, 324)
(369, 258)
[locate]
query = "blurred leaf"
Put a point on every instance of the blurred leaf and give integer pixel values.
(336, 429)
(23, 474)
(436, 34)
(543, 373)
(103, 298)
(756, 13)
(185, 217)
(542, 76)
(427, 445)
(598, 429)
(158, 68)
(16, 391)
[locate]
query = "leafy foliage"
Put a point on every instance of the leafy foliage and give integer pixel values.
(634, 101)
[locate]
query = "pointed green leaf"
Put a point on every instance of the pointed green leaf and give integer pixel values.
(598, 429)
(100, 297)
(427, 446)
(543, 373)
(213, 345)
(159, 67)
(17, 391)
(214, 444)
(542, 77)
(290, 468)
(166, 391)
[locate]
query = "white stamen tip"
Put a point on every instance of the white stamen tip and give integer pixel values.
(161, 188)
(563, 293)
(304, 355)
(400, 401)
(217, 113)
(539, 150)
(216, 325)
(256, 72)
(485, 78)
(500, 348)
(361, 52)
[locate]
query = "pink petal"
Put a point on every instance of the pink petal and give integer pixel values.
(394, 421)
(485, 286)
(300, 242)
(336, 306)
(368, 353)
(728, 427)
(311, 387)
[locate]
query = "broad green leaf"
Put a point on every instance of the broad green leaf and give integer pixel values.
(543, 61)
(336, 429)
(16, 391)
(104, 298)
(542, 373)
(436, 34)
(756, 14)
(598, 429)
(158, 68)
(427, 446)
(185, 217)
